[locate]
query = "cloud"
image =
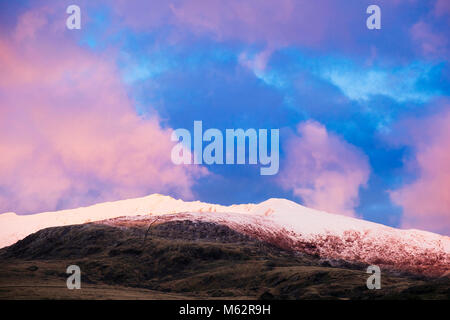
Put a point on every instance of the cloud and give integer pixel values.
(69, 134)
(273, 22)
(426, 201)
(321, 25)
(442, 8)
(429, 34)
(431, 43)
(399, 84)
(323, 170)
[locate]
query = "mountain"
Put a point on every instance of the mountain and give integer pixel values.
(278, 222)
(186, 259)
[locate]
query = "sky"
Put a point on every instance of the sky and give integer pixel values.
(86, 116)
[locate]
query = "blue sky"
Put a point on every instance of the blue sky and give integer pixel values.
(264, 69)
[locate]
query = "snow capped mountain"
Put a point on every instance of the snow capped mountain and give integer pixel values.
(278, 221)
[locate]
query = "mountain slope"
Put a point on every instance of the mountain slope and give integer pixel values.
(185, 260)
(280, 222)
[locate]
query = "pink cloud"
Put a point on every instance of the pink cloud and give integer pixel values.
(442, 8)
(321, 25)
(271, 23)
(69, 134)
(426, 201)
(323, 170)
(432, 44)
(274, 22)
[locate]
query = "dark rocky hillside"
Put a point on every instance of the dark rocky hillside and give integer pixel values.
(184, 259)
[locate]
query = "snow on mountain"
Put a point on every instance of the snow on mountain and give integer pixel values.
(279, 221)
(14, 227)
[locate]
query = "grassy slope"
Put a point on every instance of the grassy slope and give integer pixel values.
(180, 260)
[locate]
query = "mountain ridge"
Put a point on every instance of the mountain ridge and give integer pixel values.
(277, 221)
